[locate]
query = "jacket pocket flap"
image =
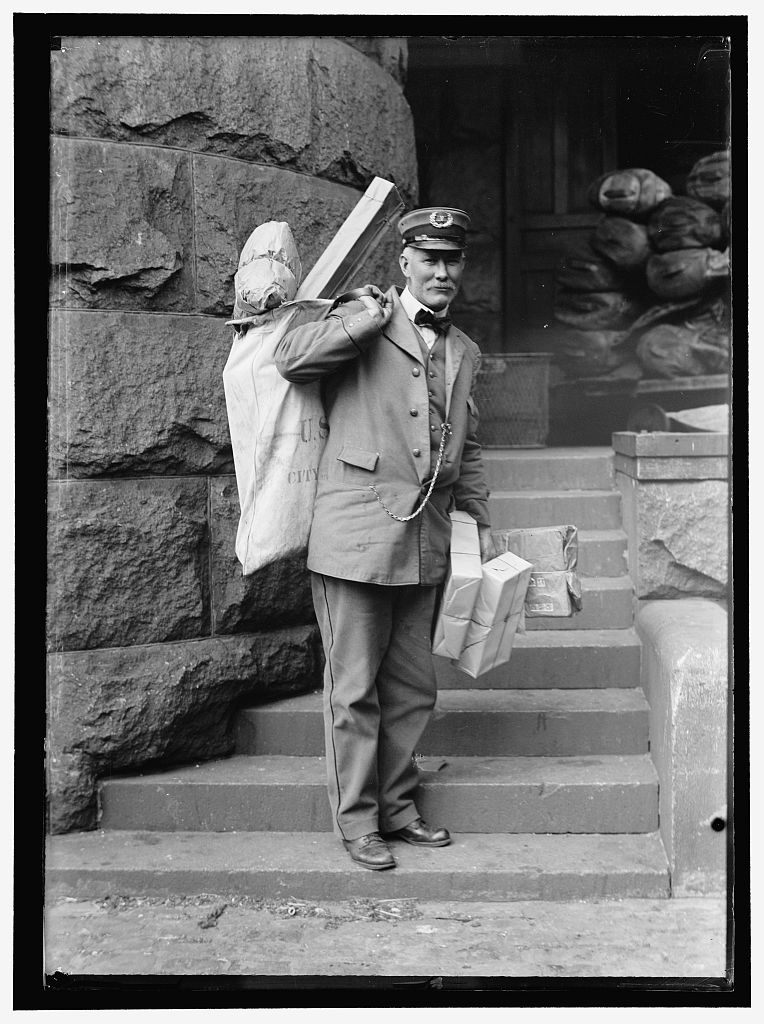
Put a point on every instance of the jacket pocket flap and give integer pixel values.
(358, 457)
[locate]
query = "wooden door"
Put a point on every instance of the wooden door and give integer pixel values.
(560, 135)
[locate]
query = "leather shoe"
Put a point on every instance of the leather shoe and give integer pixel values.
(370, 851)
(419, 833)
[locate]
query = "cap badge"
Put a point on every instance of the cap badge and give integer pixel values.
(441, 219)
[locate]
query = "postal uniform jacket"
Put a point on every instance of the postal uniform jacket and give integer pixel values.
(374, 385)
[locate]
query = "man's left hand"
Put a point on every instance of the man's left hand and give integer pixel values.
(487, 546)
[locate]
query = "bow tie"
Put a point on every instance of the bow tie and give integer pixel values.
(425, 318)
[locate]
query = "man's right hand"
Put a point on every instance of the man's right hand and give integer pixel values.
(379, 307)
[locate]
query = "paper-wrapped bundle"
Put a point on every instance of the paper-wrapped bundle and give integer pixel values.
(709, 179)
(497, 615)
(685, 272)
(683, 223)
(554, 588)
(622, 241)
(461, 588)
(595, 310)
(592, 353)
(553, 594)
(269, 272)
(584, 270)
(631, 192)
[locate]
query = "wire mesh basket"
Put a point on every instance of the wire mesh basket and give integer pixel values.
(512, 395)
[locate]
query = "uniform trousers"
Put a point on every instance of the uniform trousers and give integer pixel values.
(379, 692)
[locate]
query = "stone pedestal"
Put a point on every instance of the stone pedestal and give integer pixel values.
(676, 503)
(684, 673)
(676, 512)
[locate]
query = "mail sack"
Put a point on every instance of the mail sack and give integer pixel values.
(624, 242)
(684, 223)
(278, 429)
(591, 311)
(685, 272)
(709, 179)
(591, 353)
(584, 270)
(631, 192)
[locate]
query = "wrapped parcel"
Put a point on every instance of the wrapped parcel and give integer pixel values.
(461, 588)
(554, 588)
(497, 615)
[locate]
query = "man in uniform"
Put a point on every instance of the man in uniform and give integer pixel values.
(396, 382)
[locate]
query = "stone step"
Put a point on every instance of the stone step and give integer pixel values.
(588, 510)
(602, 553)
(605, 793)
(607, 603)
(557, 659)
(560, 469)
(469, 723)
(314, 866)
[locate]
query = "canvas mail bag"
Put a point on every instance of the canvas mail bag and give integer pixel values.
(278, 430)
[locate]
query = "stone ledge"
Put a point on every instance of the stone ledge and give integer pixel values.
(670, 445)
(684, 670)
(118, 709)
(675, 467)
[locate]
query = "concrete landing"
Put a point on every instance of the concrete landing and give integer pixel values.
(315, 866)
(211, 935)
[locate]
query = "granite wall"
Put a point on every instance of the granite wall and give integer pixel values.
(166, 153)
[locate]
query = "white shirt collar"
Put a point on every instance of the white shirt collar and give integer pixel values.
(412, 305)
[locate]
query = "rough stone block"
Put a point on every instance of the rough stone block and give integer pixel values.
(137, 394)
(390, 52)
(116, 710)
(685, 677)
(278, 594)
(312, 103)
(233, 197)
(677, 536)
(121, 228)
(128, 562)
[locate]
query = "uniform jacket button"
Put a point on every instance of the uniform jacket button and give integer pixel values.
(415, 372)
(413, 412)
(416, 452)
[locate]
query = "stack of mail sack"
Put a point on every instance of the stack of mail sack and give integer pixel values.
(554, 588)
(497, 615)
(461, 587)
